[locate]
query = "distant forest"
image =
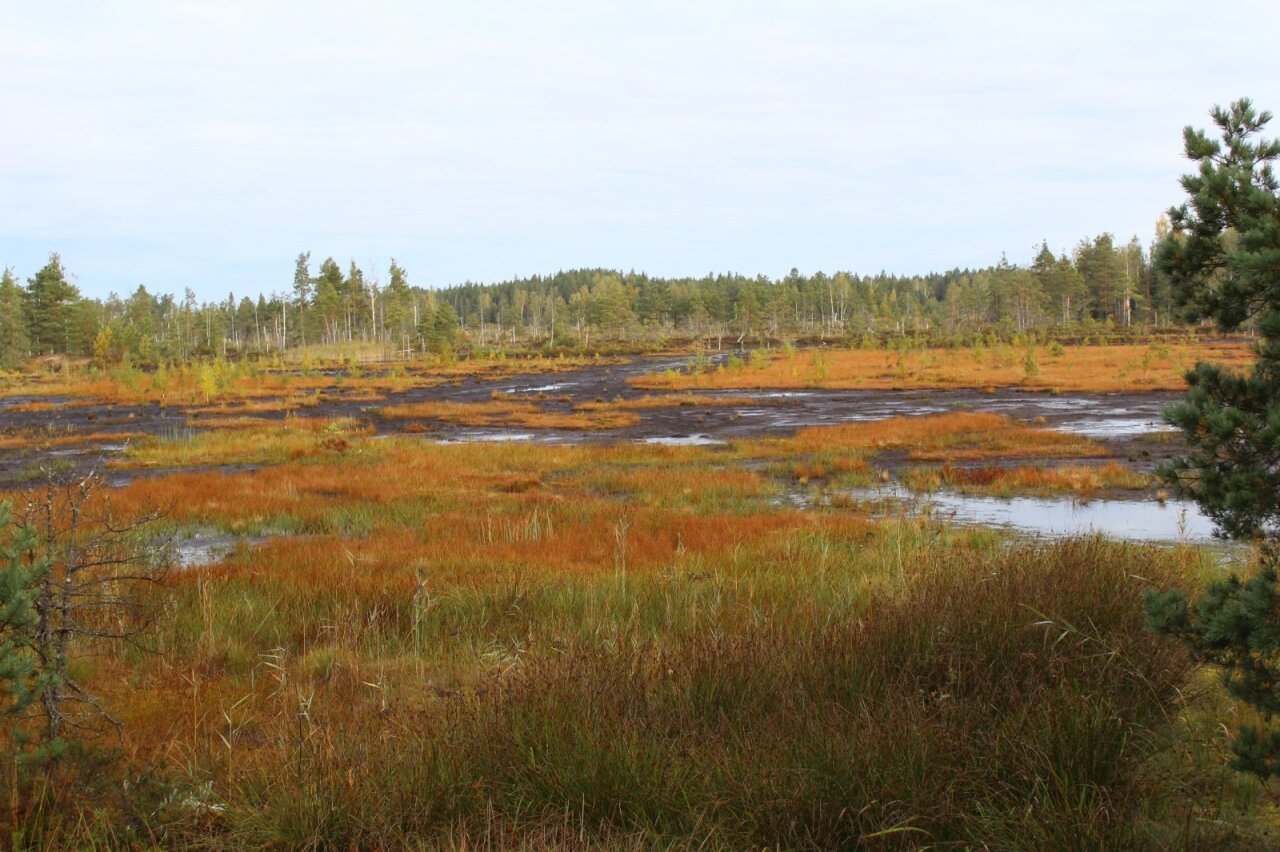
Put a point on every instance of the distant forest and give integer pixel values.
(1097, 287)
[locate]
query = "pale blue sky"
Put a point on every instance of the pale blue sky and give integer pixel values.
(204, 144)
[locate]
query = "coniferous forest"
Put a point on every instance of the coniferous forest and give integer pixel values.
(1100, 286)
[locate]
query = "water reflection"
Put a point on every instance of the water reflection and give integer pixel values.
(1129, 520)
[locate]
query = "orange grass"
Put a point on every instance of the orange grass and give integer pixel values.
(33, 407)
(1084, 480)
(264, 388)
(838, 466)
(942, 437)
(402, 469)
(418, 593)
(476, 548)
(507, 413)
(248, 441)
(220, 421)
(40, 439)
(667, 486)
(1095, 369)
(354, 587)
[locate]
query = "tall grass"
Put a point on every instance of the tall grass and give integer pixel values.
(838, 687)
(622, 647)
(991, 699)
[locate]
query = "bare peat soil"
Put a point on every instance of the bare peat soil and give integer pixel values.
(84, 435)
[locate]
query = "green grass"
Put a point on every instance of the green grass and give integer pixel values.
(910, 688)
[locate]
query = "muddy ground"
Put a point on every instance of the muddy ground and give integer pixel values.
(1124, 422)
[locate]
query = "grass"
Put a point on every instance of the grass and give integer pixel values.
(1086, 369)
(780, 691)
(1034, 480)
(504, 645)
(942, 437)
(51, 439)
(250, 442)
(510, 413)
(248, 387)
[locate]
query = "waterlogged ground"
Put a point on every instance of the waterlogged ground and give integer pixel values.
(600, 404)
(1056, 517)
(562, 610)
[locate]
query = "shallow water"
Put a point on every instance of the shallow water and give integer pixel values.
(1058, 517)
(479, 437)
(1118, 417)
(497, 435)
(205, 549)
(685, 440)
(1114, 427)
(1097, 416)
(543, 388)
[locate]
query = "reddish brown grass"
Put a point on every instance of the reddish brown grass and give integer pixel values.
(1079, 369)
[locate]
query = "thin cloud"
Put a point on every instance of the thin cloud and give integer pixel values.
(205, 144)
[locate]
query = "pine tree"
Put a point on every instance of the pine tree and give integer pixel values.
(49, 309)
(398, 310)
(328, 301)
(20, 682)
(354, 295)
(302, 289)
(1222, 258)
(13, 330)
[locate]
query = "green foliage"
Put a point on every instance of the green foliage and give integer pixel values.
(573, 306)
(820, 372)
(398, 310)
(19, 681)
(1222, 259)
(208, 379)
(49, 310)
(444, 328)
(14, 344)
(1235, 625)
(1233, 424)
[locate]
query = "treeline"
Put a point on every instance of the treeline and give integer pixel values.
(1099, 285)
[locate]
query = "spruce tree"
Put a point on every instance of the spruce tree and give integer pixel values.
(50, 309)
(14, 344)
(444, 327)
(1222, 259)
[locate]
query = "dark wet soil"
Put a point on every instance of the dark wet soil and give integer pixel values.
(1123, 422)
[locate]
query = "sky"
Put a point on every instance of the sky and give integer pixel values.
(203, 145)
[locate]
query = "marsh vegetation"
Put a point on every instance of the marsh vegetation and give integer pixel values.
(387, 639)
